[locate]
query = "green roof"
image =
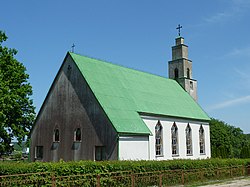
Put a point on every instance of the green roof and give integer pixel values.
(123, 93)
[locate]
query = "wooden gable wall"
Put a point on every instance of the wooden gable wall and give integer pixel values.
(70, 104)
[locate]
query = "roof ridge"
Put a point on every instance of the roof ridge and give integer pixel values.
(122, 66)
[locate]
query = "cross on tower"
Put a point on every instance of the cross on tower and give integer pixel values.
(179, 29)
(73, 48)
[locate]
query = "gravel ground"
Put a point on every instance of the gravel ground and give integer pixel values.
(232, 183)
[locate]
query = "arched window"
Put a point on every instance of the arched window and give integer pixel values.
(176, 73)
(78, 135)
(188, 73)
(191, 85)
(56, 137)
(174, 132)
(158, 139)
(189, 140)
(202, 140)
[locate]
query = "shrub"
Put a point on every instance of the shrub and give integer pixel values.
(89, 170)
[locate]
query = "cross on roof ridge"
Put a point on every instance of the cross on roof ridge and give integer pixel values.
(73, 48)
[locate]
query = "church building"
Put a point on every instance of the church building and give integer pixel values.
(96, 110)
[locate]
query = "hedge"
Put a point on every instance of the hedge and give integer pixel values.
(62, 168)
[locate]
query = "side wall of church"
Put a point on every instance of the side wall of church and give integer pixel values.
(133, 148)
(69, 105)
(167, 124)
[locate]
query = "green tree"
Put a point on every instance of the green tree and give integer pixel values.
(238, 140)
(16, 108)
(220, 139)
(228, 141)
(245, 151)
(248, 137)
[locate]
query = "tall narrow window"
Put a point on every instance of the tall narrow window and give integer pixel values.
(189, 140)
(174, 132)
(39, 152)
(158, 139)
(176, 73)
(100, 153)
(77, 135)
(56, 137)
(202, 140)
(191, 85)
(188, 73)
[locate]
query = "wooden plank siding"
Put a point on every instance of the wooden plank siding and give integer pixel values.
(71, 104)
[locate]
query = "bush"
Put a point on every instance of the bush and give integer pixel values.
(145, 172)
(91, 167)
(17, 155)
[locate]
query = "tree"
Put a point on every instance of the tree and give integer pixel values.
(248, 137)
(220, 139)
(245, 151)
(17, 112)
(228, 141)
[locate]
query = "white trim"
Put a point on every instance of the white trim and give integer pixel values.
(174, 119)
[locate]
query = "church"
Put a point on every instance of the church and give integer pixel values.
(96, 110)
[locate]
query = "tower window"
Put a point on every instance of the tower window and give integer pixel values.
(188, 73)
(191, 85)
(174, 132)
(176, 73)
(158, 139)
(78, 135)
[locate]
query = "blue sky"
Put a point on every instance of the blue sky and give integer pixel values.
(139, 34)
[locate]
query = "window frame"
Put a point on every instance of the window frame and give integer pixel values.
(158, 139)
(56, 137)
(174, 140)
(188, 73)
(189, 142)
(176, 73)
(191, 85)
(102, 150)
(202, 140)
(39, 152)
(78, 137)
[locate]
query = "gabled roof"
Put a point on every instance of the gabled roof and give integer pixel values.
(123, 93)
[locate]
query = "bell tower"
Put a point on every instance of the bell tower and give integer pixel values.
(180, 67)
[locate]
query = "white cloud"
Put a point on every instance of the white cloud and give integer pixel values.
(235, 9)
(230, 103)
(218, 17)
(244, 76)
(239, 52)
(241, 3)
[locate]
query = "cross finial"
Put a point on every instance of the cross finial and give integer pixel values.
(179, 29)
(73, 48)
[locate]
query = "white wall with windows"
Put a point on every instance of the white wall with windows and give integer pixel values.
(178, 139)
(133, 148)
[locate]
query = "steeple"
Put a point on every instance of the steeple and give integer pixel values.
(180, 67)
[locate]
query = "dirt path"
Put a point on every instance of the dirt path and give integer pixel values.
(232, 183)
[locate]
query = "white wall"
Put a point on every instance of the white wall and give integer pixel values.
(181, 124)
(133, 148)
